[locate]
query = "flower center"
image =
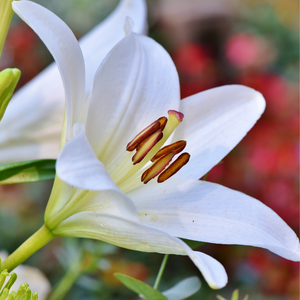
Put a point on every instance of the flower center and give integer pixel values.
(148, 147)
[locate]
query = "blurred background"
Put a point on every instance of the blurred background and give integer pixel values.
(217, 42)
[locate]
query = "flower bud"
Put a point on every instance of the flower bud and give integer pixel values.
(6, 14)
(8, 81)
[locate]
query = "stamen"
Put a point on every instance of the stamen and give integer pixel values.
(143, 134)
(175, 118)
(157, 167)
(158, 124)
(176, 147)
(174, 167)
(163, 121)
(168, 126)
(146, 145)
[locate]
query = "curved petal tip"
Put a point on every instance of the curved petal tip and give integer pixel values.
(78, 165)
(128, 25)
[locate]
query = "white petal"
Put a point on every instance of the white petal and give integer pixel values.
(78, 166)
(209, 212)
(128, 26)
(31, 126)
(132, 235)
(214, 123)
(183, 289)
(61, 42)
(99, 41)
(136, 84)
(110, 202)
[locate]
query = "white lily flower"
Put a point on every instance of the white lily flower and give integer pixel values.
(32, 123)
(98, 192)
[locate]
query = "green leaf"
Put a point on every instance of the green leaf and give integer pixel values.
(21, 291)
(27, 171)
(11, 281)
(193, 244)
(235, 295)
(3, 276)
(12, 295)
(140, 287)
(27, 295)
(35, 296)
(4, 294)
(183, 289)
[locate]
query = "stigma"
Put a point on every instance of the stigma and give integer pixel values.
(148, 146)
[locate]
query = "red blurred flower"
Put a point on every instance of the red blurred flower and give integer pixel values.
(275, 275)
(21, 49)
(191, 59)
(196, 68)
(273, 87)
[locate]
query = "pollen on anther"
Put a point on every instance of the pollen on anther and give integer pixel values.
(143, 135)
(163, 121)
(176, 147)
(174, 167)
(157, 167)
(145, 146)
(159, 124)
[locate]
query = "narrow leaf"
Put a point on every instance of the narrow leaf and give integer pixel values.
(3, 276)
(4, 294)
(183, 289)
(27, 295)
(140, 287)
(11, 281)
(21, 291)
(235, 295)
(27, 171)
(35, 296)
(12, 295)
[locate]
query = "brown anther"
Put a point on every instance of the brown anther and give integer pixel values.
(143, 135)
(156, 125)
(146, 145)
(176, 147)
(157, 167)
(163, 121)
(174, 167)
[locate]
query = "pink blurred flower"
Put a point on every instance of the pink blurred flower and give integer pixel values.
(245, 50)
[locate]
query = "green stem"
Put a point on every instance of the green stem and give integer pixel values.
(161, 271)
(30, 246)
